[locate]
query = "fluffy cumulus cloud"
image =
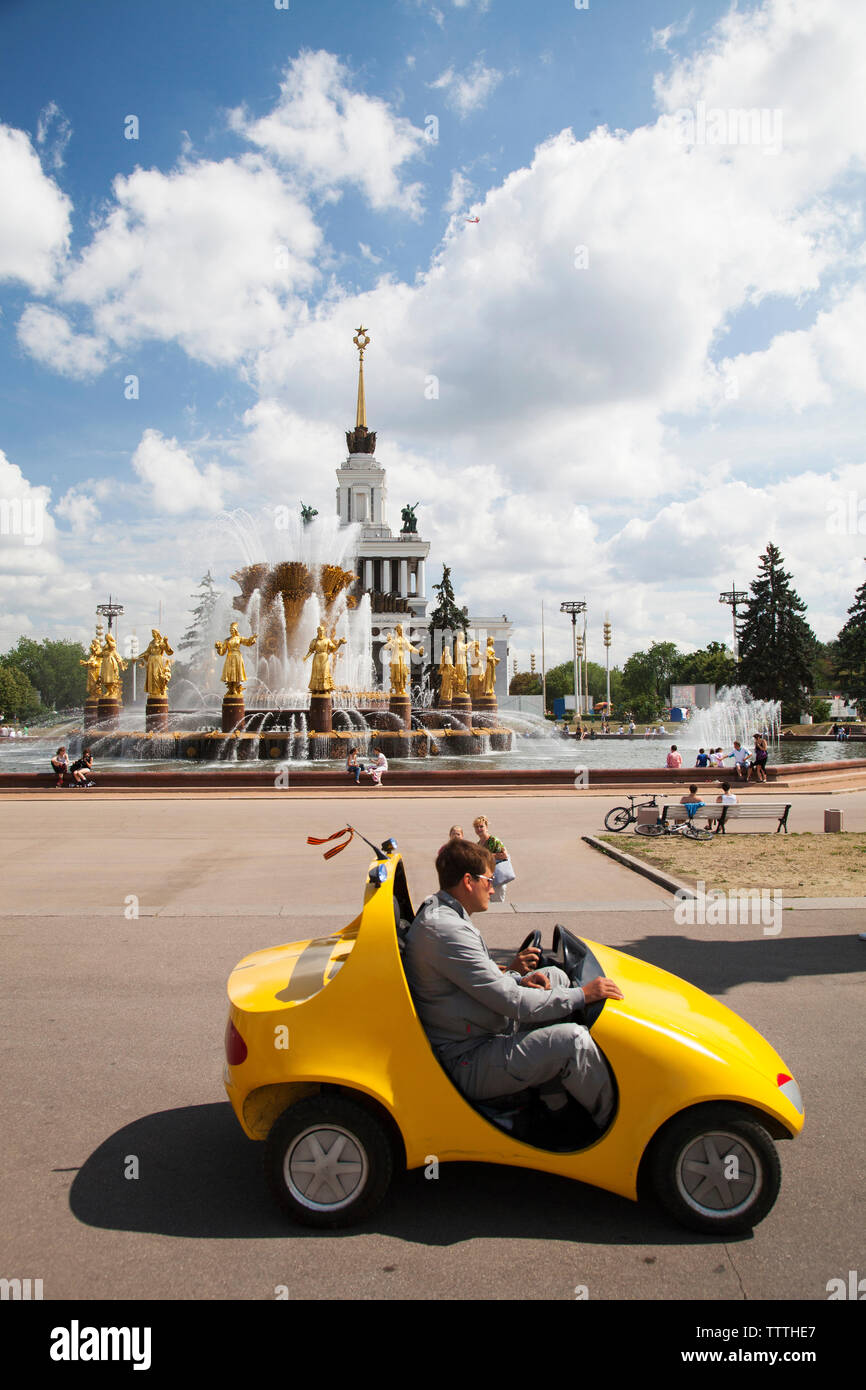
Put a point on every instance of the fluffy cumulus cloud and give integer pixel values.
(566, 388)
(174, 481)
(47, 335)
(469, 90)
(212, 256)
(34, 220)
(332, 135)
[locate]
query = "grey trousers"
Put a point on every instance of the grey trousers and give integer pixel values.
(557, 1052)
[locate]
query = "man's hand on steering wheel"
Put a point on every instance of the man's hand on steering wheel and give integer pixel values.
(526, 959)
(600, 988)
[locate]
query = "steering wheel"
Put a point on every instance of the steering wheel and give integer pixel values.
(533, 940)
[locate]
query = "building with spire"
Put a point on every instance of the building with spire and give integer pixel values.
(391, 568)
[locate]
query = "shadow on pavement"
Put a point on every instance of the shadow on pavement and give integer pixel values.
(201, 1178)
(717, 966)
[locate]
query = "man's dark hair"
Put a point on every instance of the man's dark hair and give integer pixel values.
(459, 857)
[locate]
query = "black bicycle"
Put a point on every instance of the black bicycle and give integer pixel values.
(686, 828)
(621, 816)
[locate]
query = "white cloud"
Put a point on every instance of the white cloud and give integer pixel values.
(661, 38)
(27, 531)
(368, 254)
(212, 255)
(79, 510)
(459, 192)
(53, 133)
(468, 91)
(48, 337)
(330, 135)
(34, 218)
(176, 484)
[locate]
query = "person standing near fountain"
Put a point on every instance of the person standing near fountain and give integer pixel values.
(760, 762)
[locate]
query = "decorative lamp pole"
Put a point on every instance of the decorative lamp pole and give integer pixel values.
(580, 674)
(607, 657)
(734, 598)
(574, 606)
(110, 610)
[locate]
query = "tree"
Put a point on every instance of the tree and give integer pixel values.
(850, 650)
(777, 645)
(198, 638)
(713, 665)
(52, 669)
(525, 683)
(18, 699)
(646, 678)
(446, 617)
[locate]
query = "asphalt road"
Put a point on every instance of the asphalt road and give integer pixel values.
(114, 1026)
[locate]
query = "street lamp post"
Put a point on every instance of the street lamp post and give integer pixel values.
(574, 606)
(734, 598)
(607, 657)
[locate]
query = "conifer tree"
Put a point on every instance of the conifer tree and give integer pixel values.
(850, 654)
(446, 617)
(777, 645)
(198, 638)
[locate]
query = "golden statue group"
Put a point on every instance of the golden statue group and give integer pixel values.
(454, 674)
(104, 666)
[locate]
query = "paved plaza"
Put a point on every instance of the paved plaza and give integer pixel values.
(114, 1029)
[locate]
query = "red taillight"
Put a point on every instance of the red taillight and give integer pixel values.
(236, 1048)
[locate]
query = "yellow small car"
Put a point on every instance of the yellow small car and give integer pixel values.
(327, 1062)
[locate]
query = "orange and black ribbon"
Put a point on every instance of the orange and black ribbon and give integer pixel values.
(338, 834)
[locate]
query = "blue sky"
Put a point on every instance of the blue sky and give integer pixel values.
(646, 352)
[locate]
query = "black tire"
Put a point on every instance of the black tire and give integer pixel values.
(709, 1139)
(618, 818)
(304, 1136)
(697, 832)
(655, 829)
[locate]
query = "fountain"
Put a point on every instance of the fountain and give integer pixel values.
(733, 715)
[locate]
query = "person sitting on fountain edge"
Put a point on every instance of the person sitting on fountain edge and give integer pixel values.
(498, 1032)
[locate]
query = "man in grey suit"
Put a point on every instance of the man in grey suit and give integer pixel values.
(498, 1032)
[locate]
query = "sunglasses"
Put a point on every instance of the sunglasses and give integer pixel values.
(488, 878)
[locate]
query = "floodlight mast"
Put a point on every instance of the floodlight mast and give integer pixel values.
(574, 606)
(110, 610)
(734, 598)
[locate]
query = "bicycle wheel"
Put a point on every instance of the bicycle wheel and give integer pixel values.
(656, 829)
(618, 818)
(695, 832)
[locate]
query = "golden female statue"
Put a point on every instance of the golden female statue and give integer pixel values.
(476, 679)
(446, 677)
(93, 664)
(397, 646)
(490, 669)
(110, 668)
(234, 671)
(460, 677)
(321, 649)
(155, 657)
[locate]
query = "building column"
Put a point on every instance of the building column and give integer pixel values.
(420, 585)
(404, 578)
(386, 576)
(368, 574)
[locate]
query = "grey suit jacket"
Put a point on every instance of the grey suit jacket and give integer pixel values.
(461, 995)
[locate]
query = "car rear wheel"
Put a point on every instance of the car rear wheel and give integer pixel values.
(715, 1170)
(328, 1161)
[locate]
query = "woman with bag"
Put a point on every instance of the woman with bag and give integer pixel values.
(504, 872)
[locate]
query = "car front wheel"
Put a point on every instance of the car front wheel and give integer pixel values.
(715, 1170)
(328, 1161)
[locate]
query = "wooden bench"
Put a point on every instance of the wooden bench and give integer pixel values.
(763, 810)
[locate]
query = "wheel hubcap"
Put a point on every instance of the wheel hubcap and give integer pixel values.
(719, 1173)
(325, 1168)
